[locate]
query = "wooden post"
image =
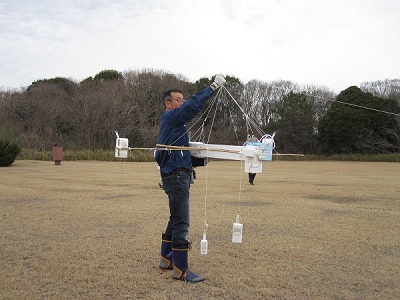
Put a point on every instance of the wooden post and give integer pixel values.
(57, 154)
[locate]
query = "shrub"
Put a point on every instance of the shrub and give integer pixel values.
(8, 153)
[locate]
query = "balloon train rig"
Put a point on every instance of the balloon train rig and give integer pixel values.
(253, 152)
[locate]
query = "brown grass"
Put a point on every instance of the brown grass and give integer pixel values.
(92, 230)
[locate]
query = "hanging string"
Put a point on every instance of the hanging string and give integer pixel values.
(212, 122)
(240, 188)
(205, 226)
(201, 136)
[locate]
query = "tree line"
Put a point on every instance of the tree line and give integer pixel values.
(307, 119)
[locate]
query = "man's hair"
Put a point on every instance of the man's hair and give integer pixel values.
(167, 95)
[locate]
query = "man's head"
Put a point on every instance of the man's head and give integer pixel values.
(172, 99)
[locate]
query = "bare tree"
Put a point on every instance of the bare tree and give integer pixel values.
(387, 88)
(143, 94)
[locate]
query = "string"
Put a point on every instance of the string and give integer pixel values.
(248, 119)
(240, 188)
(359, 106)
(201, 136)
(212, 122)
(338, 101)
(205, 199)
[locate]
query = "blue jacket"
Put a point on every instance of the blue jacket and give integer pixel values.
(173, 132)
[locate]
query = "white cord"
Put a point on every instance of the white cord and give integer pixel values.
(206, 198)
(240, 187)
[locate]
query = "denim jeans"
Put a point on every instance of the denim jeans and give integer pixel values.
(176, 186)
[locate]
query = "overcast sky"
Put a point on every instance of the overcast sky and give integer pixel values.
(326, 43)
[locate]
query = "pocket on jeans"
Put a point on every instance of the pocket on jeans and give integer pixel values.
(168, 184)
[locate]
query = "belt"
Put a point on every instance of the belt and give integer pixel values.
(178, 169)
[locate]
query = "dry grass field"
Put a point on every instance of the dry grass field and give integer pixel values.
(92, 230)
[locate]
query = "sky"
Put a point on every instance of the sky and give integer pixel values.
(333, 44)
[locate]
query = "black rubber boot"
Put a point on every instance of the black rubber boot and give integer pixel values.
(181, 269)
(166, 253)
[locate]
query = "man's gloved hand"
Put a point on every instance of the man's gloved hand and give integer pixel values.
(218, 81)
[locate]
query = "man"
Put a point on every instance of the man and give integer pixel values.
(175, 169)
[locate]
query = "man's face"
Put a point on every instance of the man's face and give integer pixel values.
(176, 100)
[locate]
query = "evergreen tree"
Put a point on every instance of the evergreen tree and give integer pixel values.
(352, 128)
